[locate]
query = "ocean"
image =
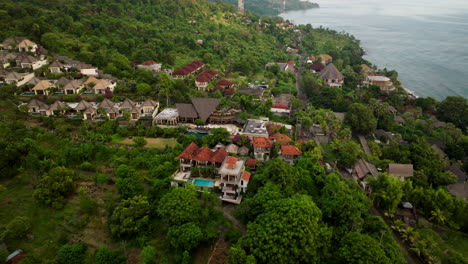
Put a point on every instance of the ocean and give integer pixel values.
(426, 41)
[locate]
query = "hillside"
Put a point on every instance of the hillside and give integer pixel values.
(274, 7)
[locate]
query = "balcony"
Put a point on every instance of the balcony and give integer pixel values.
(230, 189)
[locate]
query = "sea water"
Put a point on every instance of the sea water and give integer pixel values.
(426, 41)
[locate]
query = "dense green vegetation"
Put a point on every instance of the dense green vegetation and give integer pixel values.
(80, 192)
(274, 7)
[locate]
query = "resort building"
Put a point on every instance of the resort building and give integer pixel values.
(255, 128)
(401, 171)
(262, 147)
(289, 153)
(383, 82)
(331, 76)
(231, 177)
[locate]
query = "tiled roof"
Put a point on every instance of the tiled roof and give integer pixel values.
(261, 142)
(225, 83)
(231, 160)
(189, 152)
(246, 175)
(149, 62)
(204, 154)
(290, 150)
(281, 106)
(181, 72)
(251, 162)
(219, 155)
(281, 139)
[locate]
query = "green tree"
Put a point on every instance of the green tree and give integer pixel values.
(72, 254)
(343, 204)
(454, 109)
(361, 248)
(387, 191)
(140, 142)
(104, 255)
(185, 237)
(143, 89)
(180, 206)
(290, 231)
(55, 186)
(17, 228)
(361, 119)
(130, 217)
(347, 152)
(148, 255)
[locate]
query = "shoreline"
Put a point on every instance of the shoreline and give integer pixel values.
(411, 94)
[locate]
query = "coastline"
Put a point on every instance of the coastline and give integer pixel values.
(411, 94)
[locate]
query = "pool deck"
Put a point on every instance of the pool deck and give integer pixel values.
(185, 176)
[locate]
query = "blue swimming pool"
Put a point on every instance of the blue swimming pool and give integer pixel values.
(203, 183)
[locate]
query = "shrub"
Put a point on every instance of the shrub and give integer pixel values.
(17, 228)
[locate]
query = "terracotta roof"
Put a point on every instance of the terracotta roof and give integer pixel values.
(246, 175)
(149, 62)
(290, 150)
(261, 142)
(189, 68)
(202, 78)
(231, 160)
(204, 154)
(291, 63)
(199, 63)
(317, 66)
(229, 91)
(219, 155)
(189, 152)
(181, 72)
(281, 139)
(362, 168)
(251, 162)
(401, 170)
(225, 82)
(331, 72)
(281, 106)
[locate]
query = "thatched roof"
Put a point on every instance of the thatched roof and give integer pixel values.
(106, 103)
(56, 64)
(58, 105)
(74, 84)
(331, 72)
(186, 111)
(36, 103)
(83, 105)
(42, 85)
(205, 106)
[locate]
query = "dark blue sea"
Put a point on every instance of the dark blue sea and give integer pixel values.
(425, 41)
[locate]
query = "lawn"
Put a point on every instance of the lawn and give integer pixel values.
(158, 143)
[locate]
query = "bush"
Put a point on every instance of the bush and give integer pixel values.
(54, 186)
(86, 166)
(87, 205)
(17, 228)
(71, 254)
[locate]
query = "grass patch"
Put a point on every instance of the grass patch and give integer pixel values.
(157, 143)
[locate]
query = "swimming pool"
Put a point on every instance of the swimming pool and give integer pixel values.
(203, 183)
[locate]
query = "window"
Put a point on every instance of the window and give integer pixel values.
(242, 182)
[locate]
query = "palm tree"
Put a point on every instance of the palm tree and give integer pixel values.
(438, 216)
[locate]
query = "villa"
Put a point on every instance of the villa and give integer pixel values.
(289, 153)
(231, 177)
(331, 76)
(262, 148)
(383, 82)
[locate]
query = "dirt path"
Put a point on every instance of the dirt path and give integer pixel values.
(228, 210)
(410, 257)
